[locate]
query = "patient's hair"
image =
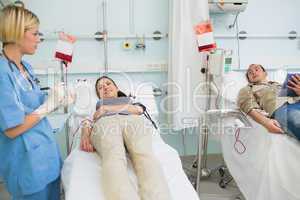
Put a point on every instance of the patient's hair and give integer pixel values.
(249, 67)
(120, 93)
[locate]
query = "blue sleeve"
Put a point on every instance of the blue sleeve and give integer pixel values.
(11, 109)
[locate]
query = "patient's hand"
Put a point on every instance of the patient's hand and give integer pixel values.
(101, 110)
(273, 126)
(86, 144)
(294, 84)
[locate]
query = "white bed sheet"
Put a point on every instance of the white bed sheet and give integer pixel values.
(269, 168)
(81, 174)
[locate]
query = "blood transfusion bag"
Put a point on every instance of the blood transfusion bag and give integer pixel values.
(205, 37)
(64, 47)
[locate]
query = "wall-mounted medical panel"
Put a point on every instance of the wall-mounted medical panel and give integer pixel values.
(268, 36)
(227, 6)
(265, 38)
(127, 21)
(74, 17)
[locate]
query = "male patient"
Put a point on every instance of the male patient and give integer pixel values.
(260, 100)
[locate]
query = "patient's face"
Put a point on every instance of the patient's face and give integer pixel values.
(256, 74)
(107, 89)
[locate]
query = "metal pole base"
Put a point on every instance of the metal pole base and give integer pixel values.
(205, 173)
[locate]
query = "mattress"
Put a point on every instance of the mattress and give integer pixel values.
(81, 173)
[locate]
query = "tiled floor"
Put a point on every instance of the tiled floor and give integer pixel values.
(209, 187)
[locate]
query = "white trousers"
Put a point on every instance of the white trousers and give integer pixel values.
(109, 136)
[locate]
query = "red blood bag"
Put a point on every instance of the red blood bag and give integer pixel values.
(64, 47)
(205, 37)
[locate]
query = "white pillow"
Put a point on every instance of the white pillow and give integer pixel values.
(280, 75)
(86, 99)
(232, 83)
(144, 95)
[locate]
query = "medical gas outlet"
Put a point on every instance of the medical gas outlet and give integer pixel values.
(126, 45)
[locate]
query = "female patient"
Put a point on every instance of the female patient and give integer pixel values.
(117, 127)
(259, 99)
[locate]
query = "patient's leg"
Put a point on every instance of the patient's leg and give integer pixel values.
(138, 139)
(288, 116)
(108, 141)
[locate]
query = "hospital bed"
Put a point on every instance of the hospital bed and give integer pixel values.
(265, 166)
(81, 173)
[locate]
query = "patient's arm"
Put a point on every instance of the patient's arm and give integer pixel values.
(270, 124)
(132, 109)
(85, 141)
(248, 104)
(246, 100)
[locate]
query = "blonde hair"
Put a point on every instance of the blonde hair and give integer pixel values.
(14, 21)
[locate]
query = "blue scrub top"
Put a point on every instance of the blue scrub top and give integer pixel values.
(32, 160)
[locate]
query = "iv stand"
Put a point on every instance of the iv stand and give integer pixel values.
(202, 170)
(64, 80)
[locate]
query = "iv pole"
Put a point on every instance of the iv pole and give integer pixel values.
(202, 170)
(205, 172)
(64, 80)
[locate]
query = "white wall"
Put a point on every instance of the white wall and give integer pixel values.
(86, 17)
(267, 17)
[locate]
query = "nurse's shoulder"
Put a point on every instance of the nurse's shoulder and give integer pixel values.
(4, 66)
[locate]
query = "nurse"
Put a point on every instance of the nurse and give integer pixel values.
(30, 161)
